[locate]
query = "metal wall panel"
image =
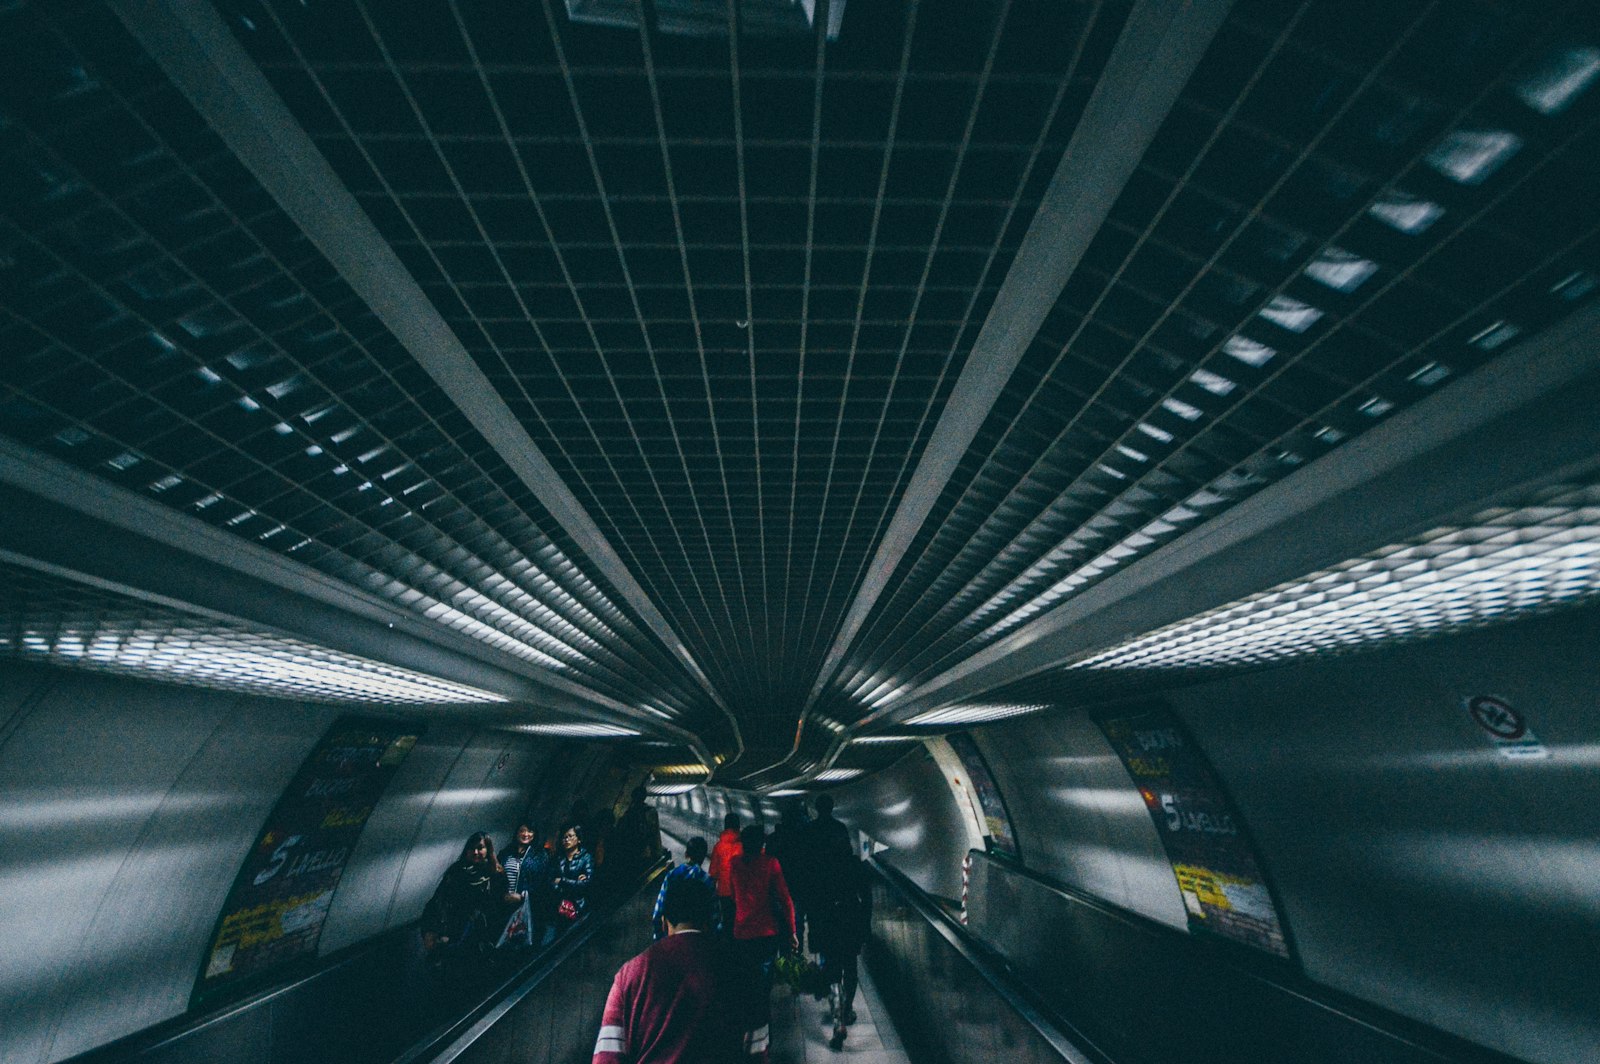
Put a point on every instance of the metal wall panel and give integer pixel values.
(1418, 867)
(129, 809)
(910, 808)
(1078, 818)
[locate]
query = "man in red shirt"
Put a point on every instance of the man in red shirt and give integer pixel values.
(727, 849)
(684, 1000)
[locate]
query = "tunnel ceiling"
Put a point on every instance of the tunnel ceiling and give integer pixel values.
(746, 375)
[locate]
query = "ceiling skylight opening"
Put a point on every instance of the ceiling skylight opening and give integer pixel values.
(586, 730)
(1340, 270)
(1428, 374)
(839, 775)
(1575, 285)
(1405, 212)
(951, 716)
(1181, 408)
(1495, 336)
(1214, 383)
(1159, 435)
(1559, 79)
(1291, 314)
(1377, 406)
(1248, 351)
(1471, 156)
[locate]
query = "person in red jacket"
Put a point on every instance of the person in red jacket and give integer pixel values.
(683, 1000)
(727, 849)
(763, 918)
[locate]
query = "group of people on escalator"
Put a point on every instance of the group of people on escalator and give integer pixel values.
(707, 999)
(531, 891)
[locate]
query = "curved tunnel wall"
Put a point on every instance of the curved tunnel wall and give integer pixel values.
(128, 810)
(1417, 868)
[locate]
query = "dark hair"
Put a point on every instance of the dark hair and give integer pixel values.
(574, 827)
(731, 821)
(514, 845)
(688, 901)
(695, 852)
(824, 805)
(472, 844)
(752, 839)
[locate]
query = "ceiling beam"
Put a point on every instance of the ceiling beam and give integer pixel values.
(1524, 421)
(196, 50)
(1157, 51)
(59, 519)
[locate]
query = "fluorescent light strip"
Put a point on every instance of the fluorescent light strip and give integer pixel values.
(786, 792)
(688, 769)
(839, 775)
(199, 654)
(874, 740)
(577, 731)
(1506, 563)
(665, 789)
(975, 714)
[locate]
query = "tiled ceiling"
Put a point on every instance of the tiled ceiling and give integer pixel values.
(726, 281)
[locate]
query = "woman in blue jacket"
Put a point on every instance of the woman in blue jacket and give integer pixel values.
(576, 876)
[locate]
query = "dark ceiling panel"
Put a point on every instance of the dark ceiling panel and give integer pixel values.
(727, 280)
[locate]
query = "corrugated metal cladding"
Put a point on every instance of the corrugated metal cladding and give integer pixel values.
(620, 351)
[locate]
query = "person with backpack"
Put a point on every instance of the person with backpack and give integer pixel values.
(694, 857)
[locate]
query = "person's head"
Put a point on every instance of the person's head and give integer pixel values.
(824, 805)
(479, 850)
(572, 838)
(695, 852)
(730, 822)
(525, 837)
(752, 839)
(794, 813)
(688, 904)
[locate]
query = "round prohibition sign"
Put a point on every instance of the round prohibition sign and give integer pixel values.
(1497, 717)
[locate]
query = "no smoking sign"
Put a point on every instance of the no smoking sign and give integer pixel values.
(1505, 725)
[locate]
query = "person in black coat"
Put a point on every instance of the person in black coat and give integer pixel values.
(468, 909)
(840, 919)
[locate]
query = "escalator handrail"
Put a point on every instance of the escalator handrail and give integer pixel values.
(1062, 1036)
(445, 1043)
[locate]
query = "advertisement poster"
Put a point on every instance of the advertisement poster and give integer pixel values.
(1215, 864)
(276, 909)
(997, 822)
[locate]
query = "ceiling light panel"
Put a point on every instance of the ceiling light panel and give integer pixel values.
(731, 353)
(59, 622)
(958, 716)
(170, 331)
(1506, 563)
(577, 730)
(1301, 255)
